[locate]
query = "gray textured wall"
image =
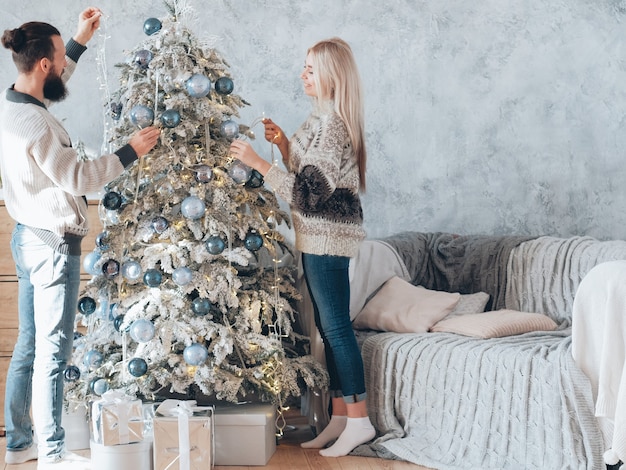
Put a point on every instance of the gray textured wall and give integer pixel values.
(497, 116)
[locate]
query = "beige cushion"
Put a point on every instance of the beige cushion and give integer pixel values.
(495, 324)
(402, 307)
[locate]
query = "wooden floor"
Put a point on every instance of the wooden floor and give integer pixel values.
(289, 455)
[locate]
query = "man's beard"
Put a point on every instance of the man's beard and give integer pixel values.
(53, 87)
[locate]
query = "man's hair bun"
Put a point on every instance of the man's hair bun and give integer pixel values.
(14, 39)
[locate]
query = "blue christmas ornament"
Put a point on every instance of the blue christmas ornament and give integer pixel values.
(151, 26)
(89, 262)
(110, 268)
(240, 172)
(256, 180)
(204, 173)
(152, 278)
(71, 374)
(142, 330)
(99, 386)
(200, 306)
(102, 241)
(193, 207)
(113, 311)
(160, 224)
(182, 276)
(117, 322)
(229, 129)
(112, 200)
(141, 116)
(170, 118)
(142, 58)
(93, 359)
(116, 111)
(215, 245)
(195, 354)
(86, 305)
(224, 86)
(131, 270)
(198, 86)
(137, 367)
(253, 241)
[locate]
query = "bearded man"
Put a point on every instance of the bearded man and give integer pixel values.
(44, 184)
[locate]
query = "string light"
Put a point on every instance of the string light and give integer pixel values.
(104, 83)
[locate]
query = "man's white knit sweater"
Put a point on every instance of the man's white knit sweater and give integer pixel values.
(322, 187)
(44, 183)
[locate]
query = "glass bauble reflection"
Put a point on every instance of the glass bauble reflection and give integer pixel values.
(142, 330)
(152, 26)
(195, 354)
(198, 85)
(137, 367)
(182, 276)
(224, 86)
(193, 207)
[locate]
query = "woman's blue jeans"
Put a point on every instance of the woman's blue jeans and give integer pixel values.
(329, 286)
(48, 284)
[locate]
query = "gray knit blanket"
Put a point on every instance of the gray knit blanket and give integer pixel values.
(545, 273)
(451, 402)
(457, 263)
(448, 402)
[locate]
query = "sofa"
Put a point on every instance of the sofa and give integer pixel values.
(488, 381)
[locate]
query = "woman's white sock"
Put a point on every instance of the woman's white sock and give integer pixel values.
(358, 431)
(332, 431)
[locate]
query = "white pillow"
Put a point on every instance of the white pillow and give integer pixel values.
(402, 307)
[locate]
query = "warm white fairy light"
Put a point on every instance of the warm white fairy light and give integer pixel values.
(156, 93)
(104, 83)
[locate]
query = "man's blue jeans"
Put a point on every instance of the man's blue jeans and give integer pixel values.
(329, 286)
(48, 284)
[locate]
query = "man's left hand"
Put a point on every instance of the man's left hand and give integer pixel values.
(88, 23)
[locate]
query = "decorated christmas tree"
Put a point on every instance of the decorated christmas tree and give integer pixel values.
(192, 290)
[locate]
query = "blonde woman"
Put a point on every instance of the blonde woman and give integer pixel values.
(325, 161)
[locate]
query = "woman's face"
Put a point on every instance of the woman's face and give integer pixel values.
(307, 77)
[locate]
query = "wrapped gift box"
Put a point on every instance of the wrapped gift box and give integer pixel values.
(117, 419)
(76, 425)
(245, 434)
(137, 456)
(183, 436)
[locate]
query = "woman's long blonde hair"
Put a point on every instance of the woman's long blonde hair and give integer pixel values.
(337, 79)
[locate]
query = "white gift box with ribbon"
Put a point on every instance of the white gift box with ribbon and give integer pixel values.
(117, 419)
(183, 436)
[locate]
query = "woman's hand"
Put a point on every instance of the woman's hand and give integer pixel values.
(275, 135)
(243, 151)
